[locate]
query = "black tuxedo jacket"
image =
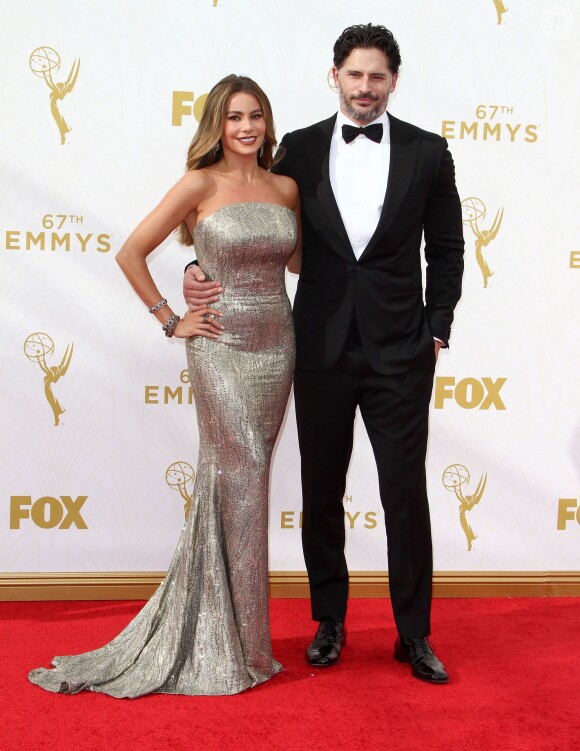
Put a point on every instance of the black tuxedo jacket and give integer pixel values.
(384, 287)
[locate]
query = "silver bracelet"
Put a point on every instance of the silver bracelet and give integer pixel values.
(158, 306)
(170, 325)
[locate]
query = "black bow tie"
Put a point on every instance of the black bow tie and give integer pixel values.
(374, 132)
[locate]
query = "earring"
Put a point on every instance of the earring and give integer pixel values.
(216, 148)
(261, 151)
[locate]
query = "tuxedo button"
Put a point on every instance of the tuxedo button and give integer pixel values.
(358, 267)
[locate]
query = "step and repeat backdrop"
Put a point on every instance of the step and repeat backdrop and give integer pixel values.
(99, 101)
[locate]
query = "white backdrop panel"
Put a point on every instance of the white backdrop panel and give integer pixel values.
(90, 494)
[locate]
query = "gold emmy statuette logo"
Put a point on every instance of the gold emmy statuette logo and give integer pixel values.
(37, 348)
(44, 61)
(455, 479)
(473, 210)
(180, 476)
(500, 9)
(330, 82)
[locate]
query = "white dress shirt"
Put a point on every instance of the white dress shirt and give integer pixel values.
(359, 171)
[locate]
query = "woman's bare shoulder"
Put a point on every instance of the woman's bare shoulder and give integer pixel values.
(195, 187)
(287, 188)
(198, 179)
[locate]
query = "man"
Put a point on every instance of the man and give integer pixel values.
(371, 187)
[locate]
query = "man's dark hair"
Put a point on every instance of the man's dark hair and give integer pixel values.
(367, 36)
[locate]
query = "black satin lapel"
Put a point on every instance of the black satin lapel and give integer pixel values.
(318, 165)
(404, 150)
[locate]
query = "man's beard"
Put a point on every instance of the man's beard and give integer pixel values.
(366, 115)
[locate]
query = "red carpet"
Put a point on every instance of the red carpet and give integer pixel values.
(514, 665)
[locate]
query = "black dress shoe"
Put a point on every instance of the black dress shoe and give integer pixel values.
(425, 665)
(324, 651)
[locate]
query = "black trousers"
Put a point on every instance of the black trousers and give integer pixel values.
(394, 409)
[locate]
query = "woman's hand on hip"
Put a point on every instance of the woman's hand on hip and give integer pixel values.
(203, 322)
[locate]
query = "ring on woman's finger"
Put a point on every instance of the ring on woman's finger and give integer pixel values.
(207, 316)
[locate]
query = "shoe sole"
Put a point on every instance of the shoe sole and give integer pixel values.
(322, 664)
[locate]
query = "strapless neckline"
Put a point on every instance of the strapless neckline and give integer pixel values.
(242, 203)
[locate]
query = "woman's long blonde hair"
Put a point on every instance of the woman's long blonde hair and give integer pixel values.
(205, 148)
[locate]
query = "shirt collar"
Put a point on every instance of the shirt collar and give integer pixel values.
(342, 119)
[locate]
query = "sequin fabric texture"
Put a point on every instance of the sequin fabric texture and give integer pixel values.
(206, 629)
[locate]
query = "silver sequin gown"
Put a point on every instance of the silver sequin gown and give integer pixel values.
(206, 629)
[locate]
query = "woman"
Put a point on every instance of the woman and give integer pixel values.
(206, 629)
